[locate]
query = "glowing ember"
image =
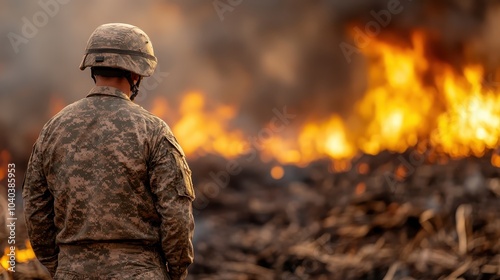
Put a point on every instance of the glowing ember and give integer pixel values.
(401, 172)
(277, 172)
(360, 188)
(363, 168)
(341, 166)
(495, 160)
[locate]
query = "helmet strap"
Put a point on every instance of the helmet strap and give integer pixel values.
(134, 88)
(92, 74)
(112, 72)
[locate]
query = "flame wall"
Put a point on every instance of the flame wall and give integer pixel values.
(263, 55)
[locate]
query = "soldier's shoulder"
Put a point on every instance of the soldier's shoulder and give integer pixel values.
(163, 131)
(64, 114)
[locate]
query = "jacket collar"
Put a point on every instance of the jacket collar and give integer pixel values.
(109, 91)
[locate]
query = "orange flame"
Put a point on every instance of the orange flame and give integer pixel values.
(453, 112)
(396, 104)
(4, 161)
(200, 130)
(472, 122)
(22, 255)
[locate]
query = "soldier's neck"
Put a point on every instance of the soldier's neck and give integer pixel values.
(119, 83)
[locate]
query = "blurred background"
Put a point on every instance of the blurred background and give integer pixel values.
(328, 139)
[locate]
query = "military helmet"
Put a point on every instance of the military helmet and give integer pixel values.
(122, 46)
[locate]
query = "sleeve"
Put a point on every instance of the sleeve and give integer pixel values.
(39, 212)
(170, 181)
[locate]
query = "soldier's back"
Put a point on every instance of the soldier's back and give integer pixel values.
(95, 157)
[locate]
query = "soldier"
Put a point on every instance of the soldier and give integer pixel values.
(108, 192)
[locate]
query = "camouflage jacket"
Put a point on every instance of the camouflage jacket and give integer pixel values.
(106, 170)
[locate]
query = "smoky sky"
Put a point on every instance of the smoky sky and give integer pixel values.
(260, 55)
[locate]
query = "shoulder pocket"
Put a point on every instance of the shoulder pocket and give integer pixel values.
(185, 189)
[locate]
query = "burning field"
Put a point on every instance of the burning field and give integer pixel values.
(406, 186)
(328, 150)
(410, 102)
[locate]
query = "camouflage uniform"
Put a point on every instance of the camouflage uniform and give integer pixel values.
(108, 193)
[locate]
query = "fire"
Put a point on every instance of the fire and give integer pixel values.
(315, 140)
(4, 161)
(397, 104)
(455, 112)
(203, 131)
(22, 255)
(471, 125)
(329, 138)
(451, 110)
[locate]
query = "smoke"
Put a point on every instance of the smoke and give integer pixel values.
(262, 55)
